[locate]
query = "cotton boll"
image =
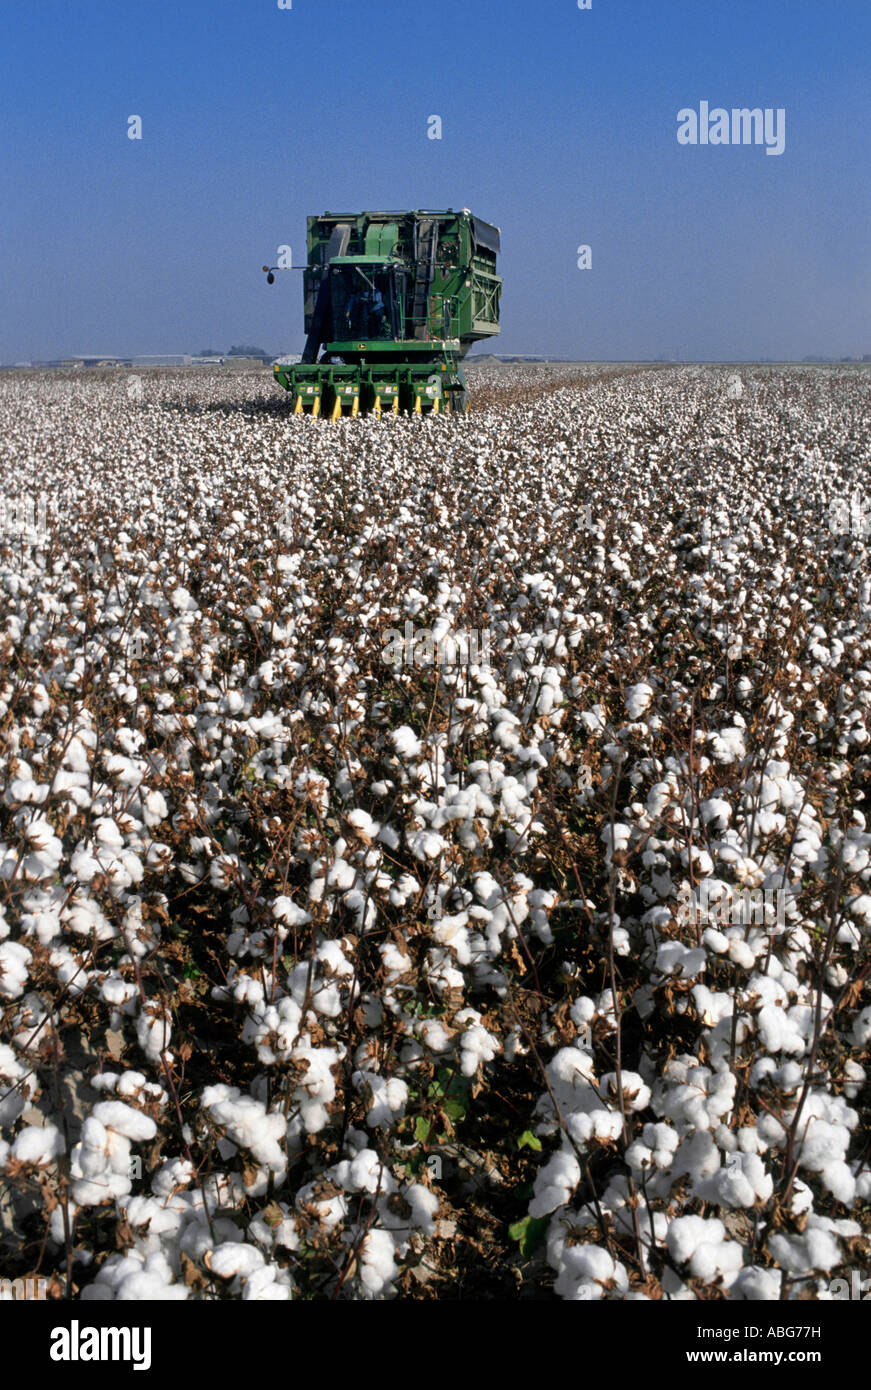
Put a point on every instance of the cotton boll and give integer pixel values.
(587, 1272)
(286, 911)
(814, 1251)
(861, 1033)
(153, 1031)
(16, 1082)
(387, 1098)
(637, 699)
(14, 966)
(406, 742)
(555, 1184)
(124, 1120)
(476, 1047)
(839, 1180)
(755, 1284)
(269, 1284)
(377, 1268)
(433, 1035)
(38, 1145)
(235, 1258)
(133, 1277)
(636, 1094)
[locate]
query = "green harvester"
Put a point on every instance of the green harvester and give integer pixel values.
(393, 302)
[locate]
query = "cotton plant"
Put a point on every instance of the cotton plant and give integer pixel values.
(612, 866)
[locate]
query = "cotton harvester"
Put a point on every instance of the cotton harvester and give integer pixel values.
(393, 302)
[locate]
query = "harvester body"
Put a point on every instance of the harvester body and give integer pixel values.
(393, 302)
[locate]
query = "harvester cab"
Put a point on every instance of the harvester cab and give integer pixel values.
(393, 302)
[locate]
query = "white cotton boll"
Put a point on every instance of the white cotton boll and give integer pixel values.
(364, 910)
(235, 1257)
(318, 1087)
(756, 1284)
(687, 1233)
(636, 1094)
(854, 1077)
(269, 1284)
(639, 1157)
(741, 1183)
(555, 1184)
(133, 1277)
(805, 1254)
(778, 1032)
(715, 809)
(13, 1095)
(341, 874)
(433, 1035)
(476, 1046)
(286, 911)
(742, 953)
(377, 1268)
(424, 1205)
(92, 1152)
(406, 743)
(117, 991)
(154, 808)
(583, 1011)
(715, 941)
(25, 790)
(124, 1120)
(108, 835)
(839, 1180)
(597, 1124)
(583, 1272)
(247, 1124)
(673, 958)
(573, 1068)
(161, 1218)
(637, 699)
(172, 1175)
(366, 827)
(129, 1083)
(14, 963)
(366, 1173)
(38, 1145)
(861, 1033)
(426, 844)
(395, 963)
(388, 1097)
(153, 1031)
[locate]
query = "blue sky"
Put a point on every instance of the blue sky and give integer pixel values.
(559, 125)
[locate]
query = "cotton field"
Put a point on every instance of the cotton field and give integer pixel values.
(434, 859)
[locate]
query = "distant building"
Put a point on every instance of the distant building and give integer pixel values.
(161, 360)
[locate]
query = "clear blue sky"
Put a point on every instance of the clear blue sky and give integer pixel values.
(558, 124)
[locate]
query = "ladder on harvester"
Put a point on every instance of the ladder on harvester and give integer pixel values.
(426, 239)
